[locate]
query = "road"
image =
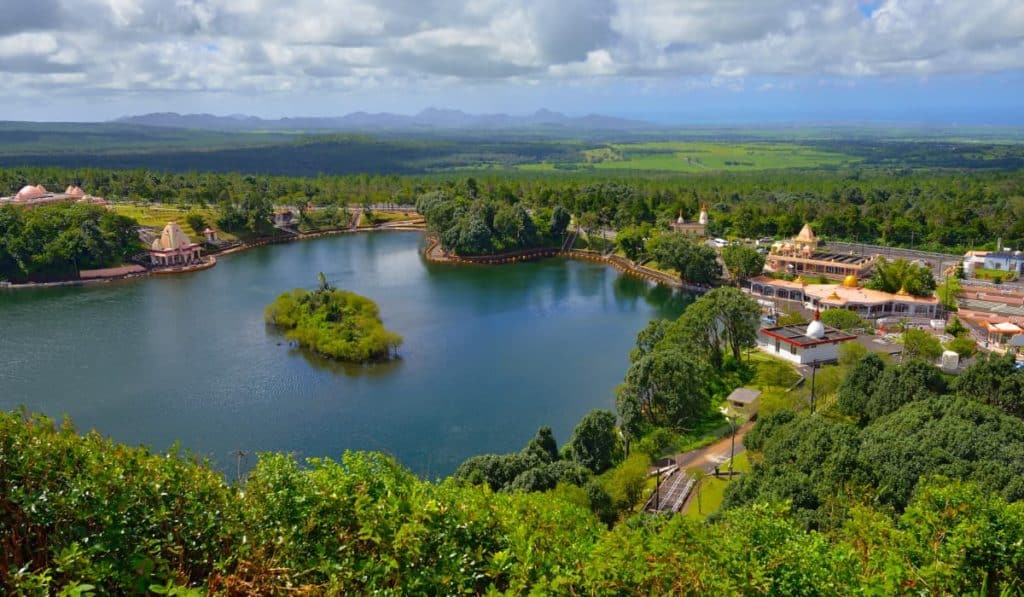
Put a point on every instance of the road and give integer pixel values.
(706, 458)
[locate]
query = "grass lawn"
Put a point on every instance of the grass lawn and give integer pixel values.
(982, 273)
(703, 157)
(386, 216)
(157, 216)
(712, 491)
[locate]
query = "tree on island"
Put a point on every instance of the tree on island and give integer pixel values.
(335, 323)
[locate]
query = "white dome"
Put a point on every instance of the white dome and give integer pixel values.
(816, 329)
(156, 245)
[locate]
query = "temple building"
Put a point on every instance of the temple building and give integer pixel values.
(850, 295)
(697, 229)
(803, 344)
(800, 256)
(174, 247)
(34, 196)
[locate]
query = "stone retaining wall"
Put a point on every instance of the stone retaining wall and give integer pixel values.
(436, 254)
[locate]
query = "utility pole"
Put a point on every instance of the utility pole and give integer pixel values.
(732, 450)
(239, 455)
(814, 370)
(657, 489)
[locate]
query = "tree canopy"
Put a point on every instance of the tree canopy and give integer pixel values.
(902, 275)
(59, 240)
(335, 323)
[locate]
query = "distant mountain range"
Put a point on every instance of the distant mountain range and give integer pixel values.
(431, 119)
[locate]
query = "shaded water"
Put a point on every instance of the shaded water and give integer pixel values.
(490, 354)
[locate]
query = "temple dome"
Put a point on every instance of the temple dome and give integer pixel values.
(74, 191)
(173, 237)
(156, 245)
(703, 218)
(806, 234)
(816, 329)
(851, 281)
(680, 219)
(30, 192)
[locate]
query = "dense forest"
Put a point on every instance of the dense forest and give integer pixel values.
(58, 241)
(945, 211)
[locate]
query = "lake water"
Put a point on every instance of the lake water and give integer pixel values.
(490, 354)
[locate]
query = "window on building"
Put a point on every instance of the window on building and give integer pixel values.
(792, 348)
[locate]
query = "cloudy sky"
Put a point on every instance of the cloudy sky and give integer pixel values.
(667, 60)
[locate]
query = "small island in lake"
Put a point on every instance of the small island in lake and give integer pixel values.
(335, 323)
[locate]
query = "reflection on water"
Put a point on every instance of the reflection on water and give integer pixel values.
(490, 354)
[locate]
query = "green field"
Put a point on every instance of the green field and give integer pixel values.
(701, 157)
(157, 216)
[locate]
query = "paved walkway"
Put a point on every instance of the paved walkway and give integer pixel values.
(714, 454)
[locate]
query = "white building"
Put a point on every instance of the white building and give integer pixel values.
(1005, 260)
(803, 344)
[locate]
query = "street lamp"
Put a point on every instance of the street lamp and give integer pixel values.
(732, 449)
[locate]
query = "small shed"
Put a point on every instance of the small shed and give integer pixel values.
(950, 361)
(744, 401)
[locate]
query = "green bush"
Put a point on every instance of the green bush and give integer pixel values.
(963, 346)
(101, 513)
(842, 319)
(335, 323)
(79, 512)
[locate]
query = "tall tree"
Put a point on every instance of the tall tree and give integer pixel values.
(743, 262)
(902, 275)
(695, 262)
(666, 388)
(739, 317)
(595, 442)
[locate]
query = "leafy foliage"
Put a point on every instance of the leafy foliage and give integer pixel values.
(59, 240)
(743, 262)
(842, 319)
(83, 512)
(919, 344)
(902, 275)
(695, 262)
(595, 441)
(335, 323)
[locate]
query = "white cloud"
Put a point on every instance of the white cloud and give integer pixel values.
(224, 45)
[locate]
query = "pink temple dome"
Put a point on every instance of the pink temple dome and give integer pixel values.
(29, 192)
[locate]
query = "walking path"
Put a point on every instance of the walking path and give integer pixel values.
(674, 492)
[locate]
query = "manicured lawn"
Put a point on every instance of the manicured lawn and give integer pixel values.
(712, 491)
